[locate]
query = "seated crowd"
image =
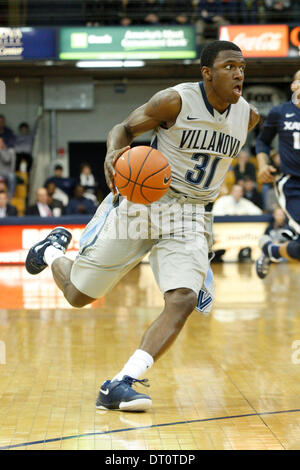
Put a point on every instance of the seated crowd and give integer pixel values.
(206, 14)
(240, 194)
(59, 195)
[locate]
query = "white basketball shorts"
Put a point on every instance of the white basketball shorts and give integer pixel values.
(177, 231)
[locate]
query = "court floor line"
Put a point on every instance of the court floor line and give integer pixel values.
(249, 403)
(175, 423)
(243, 395)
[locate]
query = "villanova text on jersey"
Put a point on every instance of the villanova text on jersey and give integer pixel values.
(202, 142)
(212, 141)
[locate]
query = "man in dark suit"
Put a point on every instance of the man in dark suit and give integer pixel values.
(80, 204)
(6, 209)
(55, 205)
(41, 207)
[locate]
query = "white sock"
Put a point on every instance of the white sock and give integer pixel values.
(51, 254)
(136, 366)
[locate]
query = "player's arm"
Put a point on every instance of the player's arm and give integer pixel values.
(264, 169)
(161, 110)
(253, 118)
(263, 146)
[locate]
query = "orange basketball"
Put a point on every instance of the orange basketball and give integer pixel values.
(142, 175)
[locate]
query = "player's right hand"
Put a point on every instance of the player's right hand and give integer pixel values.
(266, 174)
(109, 163)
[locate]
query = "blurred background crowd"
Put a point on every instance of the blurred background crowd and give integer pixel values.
(206, 14)
(63, 195)
(240, 193)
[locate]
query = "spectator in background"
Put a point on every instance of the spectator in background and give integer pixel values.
(64, 184)
(112, 12)
(243, 167)
(249, 11)
(80, 204)
(279, 11)
(250, 191)
(3, 185)
(130, 13)
(23, 146)
(55, 204)
(58, 194)
(7, 166)
(6, 209)
(6, 133)
(152, 12)
(41, 207)
(87, 180)
(230, 10)
(178, 11)
(235, 204)
(103, 12)
(143, 12)
(209, 18)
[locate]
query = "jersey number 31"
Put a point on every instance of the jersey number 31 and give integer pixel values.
(197, 175)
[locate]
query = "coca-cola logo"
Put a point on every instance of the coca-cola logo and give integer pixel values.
(258, 40)
(264, 42)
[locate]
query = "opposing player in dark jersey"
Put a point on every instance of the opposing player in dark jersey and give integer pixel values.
(283, 120)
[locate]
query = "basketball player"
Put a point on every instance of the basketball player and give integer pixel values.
(283, 120)
(200, 128)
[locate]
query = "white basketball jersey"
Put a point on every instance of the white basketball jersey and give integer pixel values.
(202, 143)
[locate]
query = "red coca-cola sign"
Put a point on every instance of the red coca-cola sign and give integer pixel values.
(264, 40)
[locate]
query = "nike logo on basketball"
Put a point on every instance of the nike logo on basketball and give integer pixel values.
(166, 180)
(191, 118)
(105, 392)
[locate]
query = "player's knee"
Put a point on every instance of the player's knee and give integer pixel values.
(77, 302)
(76, 298)
(181, 301)
(293, 249)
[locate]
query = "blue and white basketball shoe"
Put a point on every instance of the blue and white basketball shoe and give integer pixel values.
(262, 264)
(118, 395)
(60, 238)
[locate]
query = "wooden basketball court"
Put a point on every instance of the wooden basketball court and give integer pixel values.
(231, 381)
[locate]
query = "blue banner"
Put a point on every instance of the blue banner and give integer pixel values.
(27, 43)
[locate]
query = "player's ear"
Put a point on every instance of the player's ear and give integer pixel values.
(206, 73)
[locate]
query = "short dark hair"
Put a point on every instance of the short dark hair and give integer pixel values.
(210, 52)
(248, 178)
(83, 164)
(58, 167)
(23, 124)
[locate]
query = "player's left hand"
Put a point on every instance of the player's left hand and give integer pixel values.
(109, 171)
(266, 174)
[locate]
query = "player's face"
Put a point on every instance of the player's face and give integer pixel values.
(227, 75)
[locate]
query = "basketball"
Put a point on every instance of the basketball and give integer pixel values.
(142, 175)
